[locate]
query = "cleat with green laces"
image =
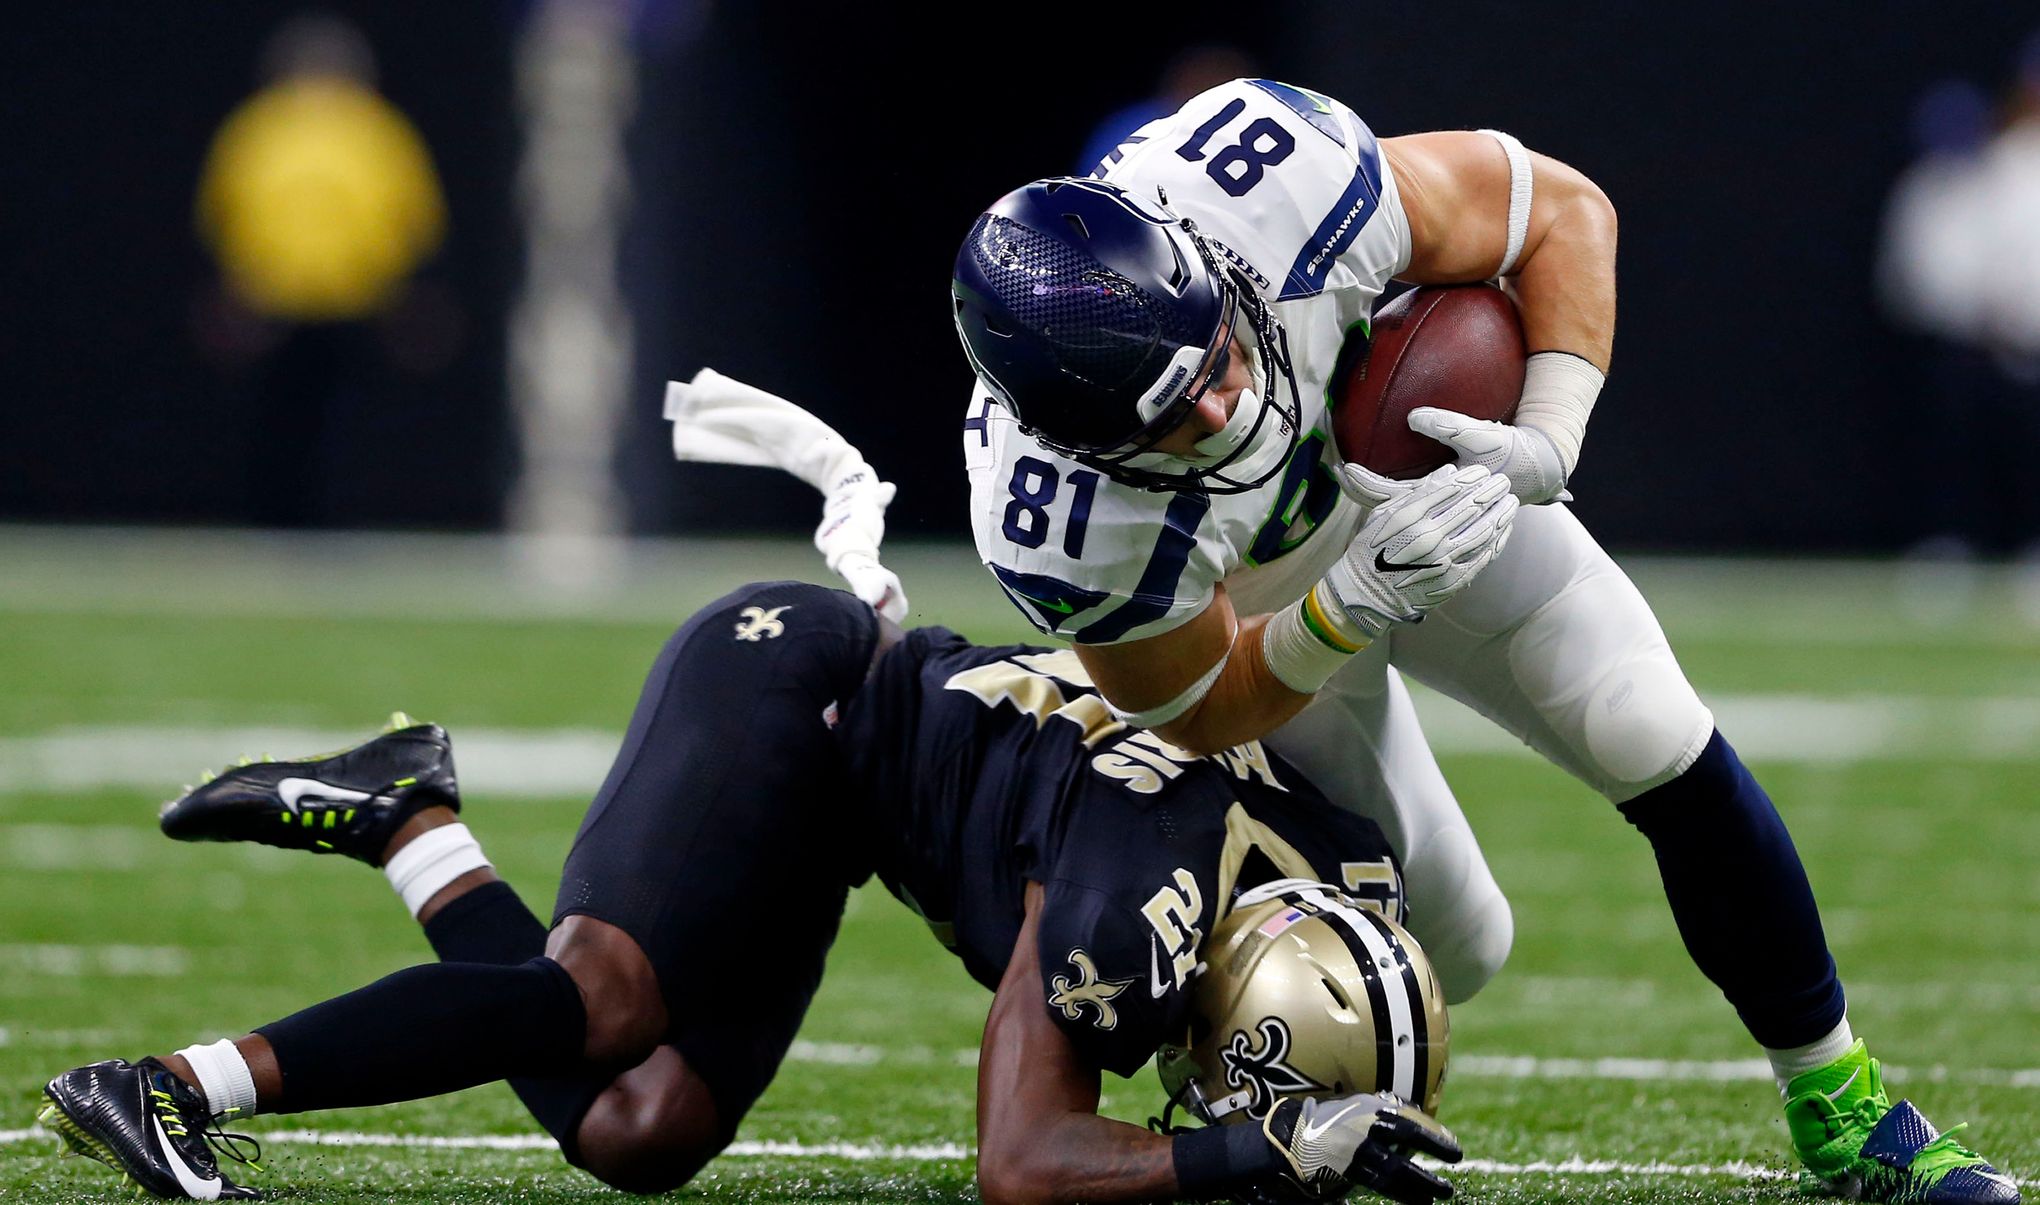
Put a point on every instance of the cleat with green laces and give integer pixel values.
(148, 1125)
(349, 802)
(1855, 1143)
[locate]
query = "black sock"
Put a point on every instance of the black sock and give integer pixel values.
(488, 924)
(1739, 894)
(491, 924)
(426, 1031)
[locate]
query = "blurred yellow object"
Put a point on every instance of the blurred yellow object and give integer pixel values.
(319, 198)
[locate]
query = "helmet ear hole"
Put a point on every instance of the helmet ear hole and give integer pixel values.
(1338, 997)
(1077, 224)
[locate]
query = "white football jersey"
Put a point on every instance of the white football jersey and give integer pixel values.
(1291, 187)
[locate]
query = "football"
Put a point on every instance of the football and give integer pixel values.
(1456, 347)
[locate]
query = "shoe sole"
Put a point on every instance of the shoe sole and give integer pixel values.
(1846, 1186)
(80, 1141)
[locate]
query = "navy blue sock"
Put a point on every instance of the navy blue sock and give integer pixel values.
(491, 924)
(426, 1031)
(1739, 894)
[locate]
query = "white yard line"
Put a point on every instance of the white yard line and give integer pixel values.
(143, 960)
(64, 961)
(1529, 1067)
(1578, 1165)
(1490, 1066)
(494, 762)
(524, 763)
(949, 1152)
(225, 571)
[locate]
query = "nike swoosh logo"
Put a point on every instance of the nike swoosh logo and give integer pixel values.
(197, 1187)
(1836, 1094)
(1382, 564)
(1311, 1133)
(1156, 988)
(1060, 608)
(293, 790)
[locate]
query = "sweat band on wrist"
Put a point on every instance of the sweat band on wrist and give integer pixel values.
(1215, 1160)
(1559, 391)
(1303, 647)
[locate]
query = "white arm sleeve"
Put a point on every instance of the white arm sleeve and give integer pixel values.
(1519, 197)
(721, 420)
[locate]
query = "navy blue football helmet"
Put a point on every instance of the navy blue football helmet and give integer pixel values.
(1098, 318)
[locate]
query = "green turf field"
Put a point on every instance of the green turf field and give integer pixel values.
(1599, 1066)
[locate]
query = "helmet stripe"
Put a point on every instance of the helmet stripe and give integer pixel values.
(1420, 1019)
(1396, 1062)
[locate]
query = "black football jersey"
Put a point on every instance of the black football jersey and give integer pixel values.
(989, 768)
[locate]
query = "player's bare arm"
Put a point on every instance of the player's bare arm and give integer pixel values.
(1216, 681)
(1455, 193)
(1246, 702)
(1039, 1134)
(1462, 194)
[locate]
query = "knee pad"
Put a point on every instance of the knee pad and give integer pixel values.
(1643, 724)
(1458, 913)
(1466, 960)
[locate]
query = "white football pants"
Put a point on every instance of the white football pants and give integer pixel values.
(1552, 642)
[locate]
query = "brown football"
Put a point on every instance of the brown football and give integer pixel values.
(1456, 347)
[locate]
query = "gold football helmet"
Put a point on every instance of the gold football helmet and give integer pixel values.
(1305, 992)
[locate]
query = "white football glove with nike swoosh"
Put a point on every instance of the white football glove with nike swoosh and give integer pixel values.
(1364, 1141)
(1537, 452)
(1422, 542)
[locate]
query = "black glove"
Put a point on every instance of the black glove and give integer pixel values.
(1364, 1141)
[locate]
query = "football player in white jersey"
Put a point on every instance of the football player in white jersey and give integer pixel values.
(1152, 480)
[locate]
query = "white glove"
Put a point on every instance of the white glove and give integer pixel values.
(1525, 455)
(853, 526)
(1422, 542)
(1537, 452)
(721, 420)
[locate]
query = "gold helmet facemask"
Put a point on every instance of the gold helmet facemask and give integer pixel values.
(1306, 992)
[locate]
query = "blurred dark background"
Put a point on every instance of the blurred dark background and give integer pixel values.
(801, 174)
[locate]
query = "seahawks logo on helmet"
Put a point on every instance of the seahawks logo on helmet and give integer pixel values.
(1260, 1068)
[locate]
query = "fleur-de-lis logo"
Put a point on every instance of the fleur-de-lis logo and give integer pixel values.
(1071, 996)
(761, 624)
(1259, 1067)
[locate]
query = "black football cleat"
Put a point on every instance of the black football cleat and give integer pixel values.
(147, 1124)
(339, 803)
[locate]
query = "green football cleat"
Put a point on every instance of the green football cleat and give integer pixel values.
(1857, 1144)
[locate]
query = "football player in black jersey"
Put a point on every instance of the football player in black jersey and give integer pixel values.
(1121, 896)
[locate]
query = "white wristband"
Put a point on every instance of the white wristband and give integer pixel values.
(1299, 658)
(433, 859)
(1559, 391)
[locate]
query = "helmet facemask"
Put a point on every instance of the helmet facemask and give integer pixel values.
(1256, 440)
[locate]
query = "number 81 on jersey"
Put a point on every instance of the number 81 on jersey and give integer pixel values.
(1035, 487)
